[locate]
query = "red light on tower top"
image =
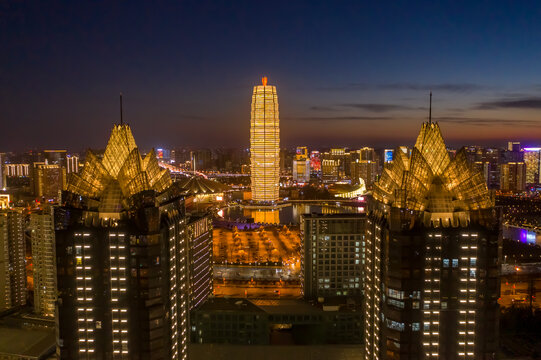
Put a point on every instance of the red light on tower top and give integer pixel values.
(264, 80)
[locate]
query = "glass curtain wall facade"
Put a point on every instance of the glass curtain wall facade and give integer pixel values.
(265, 144)
(122, 258)
(432, 258)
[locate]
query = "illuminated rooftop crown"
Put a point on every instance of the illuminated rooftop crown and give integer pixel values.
(121, 167)
(429, 180)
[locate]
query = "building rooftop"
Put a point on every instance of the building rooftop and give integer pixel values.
(334, 216)
(121, 171)
(228, 304)
(199, 185)
(274, 306)
(26, 336)
(429, 180)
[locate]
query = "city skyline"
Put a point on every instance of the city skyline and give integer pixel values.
(346, 77)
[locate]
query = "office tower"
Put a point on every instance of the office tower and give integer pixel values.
(332, 254)
(43, 261)
(72, 164)
(265, 143)
(532, 159)
(122, 258)
(335, 165)
(513, 154)
(48, 180)
(513, 177)
(364, 166)
(432, 258)
(492, 157)
(301, 165)
(199, 239)
(12, 259)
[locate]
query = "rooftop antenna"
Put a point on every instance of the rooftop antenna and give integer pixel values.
(430, 109)
(121, 121)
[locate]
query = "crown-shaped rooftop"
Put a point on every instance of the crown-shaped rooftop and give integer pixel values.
(429, 180)
(121, 169)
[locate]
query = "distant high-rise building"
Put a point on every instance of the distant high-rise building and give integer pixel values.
(56, 157)
(364, 165)
(332, 254)
(43, 261)
(335, 165)
(199, 241)
(315, 163)
(513, 146)
(388, 155)
(124, 277)
(48, 180)
(432, 261)
(301, 165)
(2, 171)
(484, 168)
(12, 259)
(532, 159)
(513, 177)
(265, 143)
(72, 164)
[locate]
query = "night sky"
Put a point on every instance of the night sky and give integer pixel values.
(351, 73)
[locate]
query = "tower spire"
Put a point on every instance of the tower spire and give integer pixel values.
(121, 120)
(430, 109)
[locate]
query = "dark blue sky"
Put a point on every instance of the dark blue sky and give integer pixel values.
(347, 72)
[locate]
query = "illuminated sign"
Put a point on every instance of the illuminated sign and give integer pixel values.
(527, 237)
(388, 155)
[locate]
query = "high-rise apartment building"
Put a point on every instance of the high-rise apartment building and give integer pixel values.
(364, 165)
(332, 255)
(12, 259)
(265, 143)
(43, 261)
(432, 258)
(513, 177)
(123, 258)
(532, 159)
(199, 240)
(301, 165)
(48, 180)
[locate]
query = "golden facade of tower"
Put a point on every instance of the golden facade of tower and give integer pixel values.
(265, 143)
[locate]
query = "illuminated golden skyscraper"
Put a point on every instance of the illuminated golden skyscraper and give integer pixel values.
(431, 270)
(265, 143)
